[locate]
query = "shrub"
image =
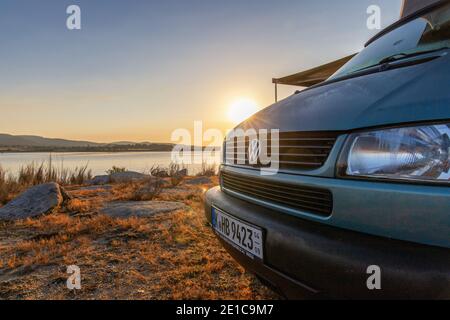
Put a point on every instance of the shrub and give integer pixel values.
(158, 171)
(176, 174)
(115, 169)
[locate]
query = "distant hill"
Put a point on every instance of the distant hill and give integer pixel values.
(127, 143)
(28, 143)
(7, 140)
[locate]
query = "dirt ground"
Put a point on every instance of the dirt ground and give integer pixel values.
(167, 256)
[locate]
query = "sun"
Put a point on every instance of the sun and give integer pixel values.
(242, 109)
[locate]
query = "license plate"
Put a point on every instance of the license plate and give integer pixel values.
(242, 235)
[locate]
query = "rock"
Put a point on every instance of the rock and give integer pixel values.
(199, 181)
(140, 209)
(98, 180)
(66, 196)
(146, 194)
(128, 176)
(151, 182)
(163, 182)
(36, 201)
(119, 177)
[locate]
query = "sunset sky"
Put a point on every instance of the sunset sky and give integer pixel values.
(139, 69)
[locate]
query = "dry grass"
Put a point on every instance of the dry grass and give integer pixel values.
(82, 206)
(9, 187)
(159, 171)
(207, 170)
(169, 256)
(34, 174)
(174, 172)
(146, 190)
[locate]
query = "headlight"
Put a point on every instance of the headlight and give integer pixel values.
(410, 153)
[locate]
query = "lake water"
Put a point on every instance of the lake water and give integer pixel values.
(100, 162)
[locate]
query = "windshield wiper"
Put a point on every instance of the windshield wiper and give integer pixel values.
(401, 56)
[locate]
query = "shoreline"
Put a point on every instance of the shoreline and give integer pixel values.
(101, 151)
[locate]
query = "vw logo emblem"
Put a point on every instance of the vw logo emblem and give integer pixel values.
(254, 151)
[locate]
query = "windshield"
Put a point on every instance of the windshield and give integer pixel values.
(424, 34)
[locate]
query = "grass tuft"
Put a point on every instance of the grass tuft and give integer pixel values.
(207, 170)
(35, 174)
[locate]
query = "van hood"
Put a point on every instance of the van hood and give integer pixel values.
(410, 94)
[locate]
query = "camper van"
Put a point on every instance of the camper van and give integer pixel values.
(359, 206)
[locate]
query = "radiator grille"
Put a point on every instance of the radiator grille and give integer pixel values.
(314, 200)
(297, 150)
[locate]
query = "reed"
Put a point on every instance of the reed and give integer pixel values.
(34, 174)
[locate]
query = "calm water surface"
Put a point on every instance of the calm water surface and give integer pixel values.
(100, 162)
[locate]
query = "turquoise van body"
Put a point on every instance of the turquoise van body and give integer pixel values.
(378, 192)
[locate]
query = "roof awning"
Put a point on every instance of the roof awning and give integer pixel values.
(313, 76)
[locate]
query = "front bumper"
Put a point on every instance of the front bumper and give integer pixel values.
(305, 257)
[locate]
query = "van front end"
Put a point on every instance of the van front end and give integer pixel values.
(318, 257)
(359, 206)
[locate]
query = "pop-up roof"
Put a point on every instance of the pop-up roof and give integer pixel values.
(319, 74)
(410, 7)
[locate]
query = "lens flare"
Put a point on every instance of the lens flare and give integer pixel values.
(242, 109)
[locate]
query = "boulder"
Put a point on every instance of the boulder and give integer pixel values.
(36, 201)
(119, 177)
(140, 209)
(128, 176)
(199, 181)
(99, 180)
